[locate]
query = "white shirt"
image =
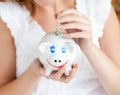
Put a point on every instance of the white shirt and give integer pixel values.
(27, 34)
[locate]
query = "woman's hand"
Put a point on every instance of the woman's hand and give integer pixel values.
(60, 76)
(37, 69)
(77, 25)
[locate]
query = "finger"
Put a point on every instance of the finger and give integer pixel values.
(51, 76)
(75, 25)
(59, 73)
(36, 64)
(66, 79)
(73, 18)
(37, 67)
(36, 60)
(75, 66)
(69, 77)
(70, 11)
(78, 35)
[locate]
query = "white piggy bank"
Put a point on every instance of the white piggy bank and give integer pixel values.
(55, 51)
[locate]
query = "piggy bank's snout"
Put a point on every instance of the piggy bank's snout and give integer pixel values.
(57, 61)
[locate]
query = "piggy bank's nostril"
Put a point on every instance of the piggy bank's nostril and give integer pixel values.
(59, 60)
(55, 60)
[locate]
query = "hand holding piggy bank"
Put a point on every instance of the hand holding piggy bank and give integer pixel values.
(56, 51)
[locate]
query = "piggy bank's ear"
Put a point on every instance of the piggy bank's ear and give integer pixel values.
(70, 46)
(44, 47)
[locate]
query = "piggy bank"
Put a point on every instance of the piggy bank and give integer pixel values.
(56, 51)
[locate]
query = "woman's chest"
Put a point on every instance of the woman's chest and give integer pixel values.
(48, 24)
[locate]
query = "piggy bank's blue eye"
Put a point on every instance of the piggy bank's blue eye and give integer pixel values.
(63, 49)
(52, 49)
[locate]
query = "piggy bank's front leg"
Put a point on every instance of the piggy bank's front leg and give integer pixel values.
(48, 70)
(68, 69)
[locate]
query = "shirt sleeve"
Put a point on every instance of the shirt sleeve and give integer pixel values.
(101, 13)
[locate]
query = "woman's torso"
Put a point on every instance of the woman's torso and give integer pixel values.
(27, 35)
